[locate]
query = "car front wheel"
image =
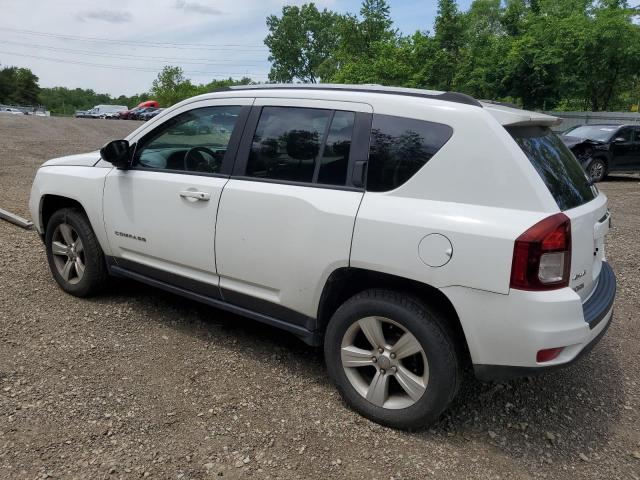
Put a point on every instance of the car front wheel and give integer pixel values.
(75, 257)
(391, 359)
(597, 170)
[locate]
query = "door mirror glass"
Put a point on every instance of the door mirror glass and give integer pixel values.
(116, 152)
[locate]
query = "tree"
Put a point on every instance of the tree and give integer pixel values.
(299, 42)
(18, 86)
(171, 86)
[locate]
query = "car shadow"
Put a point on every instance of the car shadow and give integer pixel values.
(558, 415)
(621, 177)
(565, 412)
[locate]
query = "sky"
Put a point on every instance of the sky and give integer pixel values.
(119, 46)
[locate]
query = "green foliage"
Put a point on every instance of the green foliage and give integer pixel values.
(65, 101)
(299, 42)
(18, 86)
(540, 53)
(170, 87)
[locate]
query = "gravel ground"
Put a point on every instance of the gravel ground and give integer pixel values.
(139, 383)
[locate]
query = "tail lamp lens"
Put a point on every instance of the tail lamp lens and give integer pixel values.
(548, 354)
(542, 255)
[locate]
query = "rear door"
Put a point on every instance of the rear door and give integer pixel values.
(576, 197)
(286, 216)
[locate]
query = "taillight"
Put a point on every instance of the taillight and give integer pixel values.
(548, 354)
(542, 255)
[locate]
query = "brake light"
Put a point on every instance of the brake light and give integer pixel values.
(542, 255)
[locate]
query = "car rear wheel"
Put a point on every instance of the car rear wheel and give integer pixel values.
(391, 359)
(597, 170)
(75, 257)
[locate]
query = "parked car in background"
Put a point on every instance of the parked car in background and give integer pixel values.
(100, 111)
(137, 115)
(128, 114)
(605, 148)
(412, 233)
(11, 111)
(149, 113)
(132, 114)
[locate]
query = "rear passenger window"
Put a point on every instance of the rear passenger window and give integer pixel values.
(287, 143)
(399, 148)
(307, 145)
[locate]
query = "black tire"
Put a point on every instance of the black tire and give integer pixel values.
(436, 341)
(95, 275)
(597, 170)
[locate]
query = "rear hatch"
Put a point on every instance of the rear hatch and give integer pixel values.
(576, 197)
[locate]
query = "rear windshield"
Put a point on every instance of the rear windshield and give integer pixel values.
(556, 165)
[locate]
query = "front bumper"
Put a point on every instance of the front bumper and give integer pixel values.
(505, 332)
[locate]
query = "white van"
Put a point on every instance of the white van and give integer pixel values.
(102, 111)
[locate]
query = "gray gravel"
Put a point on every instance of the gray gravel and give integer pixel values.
(137, 382)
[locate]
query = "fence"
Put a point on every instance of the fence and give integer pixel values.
(570, 119)
(29, 109)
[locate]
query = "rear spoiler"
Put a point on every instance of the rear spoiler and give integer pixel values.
(514, 117)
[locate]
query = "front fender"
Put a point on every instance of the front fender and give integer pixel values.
(80, 184)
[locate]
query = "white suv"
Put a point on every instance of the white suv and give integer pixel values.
(411, 232)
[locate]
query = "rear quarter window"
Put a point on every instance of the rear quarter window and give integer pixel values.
(562, 174)
(399, 148)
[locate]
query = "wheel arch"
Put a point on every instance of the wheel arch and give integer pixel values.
(50, 203)
(345, 282)
(601, 156)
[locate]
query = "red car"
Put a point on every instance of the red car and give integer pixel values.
(127, 114)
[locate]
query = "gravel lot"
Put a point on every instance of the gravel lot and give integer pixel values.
(140, 383)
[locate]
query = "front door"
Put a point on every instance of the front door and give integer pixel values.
(634, 163)
(287, 214)
(160, 215)
(622, 149)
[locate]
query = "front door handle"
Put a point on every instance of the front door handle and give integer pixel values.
(189, 194)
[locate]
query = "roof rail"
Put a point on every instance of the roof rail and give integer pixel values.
(412, 92)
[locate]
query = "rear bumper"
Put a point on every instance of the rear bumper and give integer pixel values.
(505, 332)
(499, 373)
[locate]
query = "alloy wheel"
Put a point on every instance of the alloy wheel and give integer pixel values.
(596, 170)
(68, 253)
(384, 362)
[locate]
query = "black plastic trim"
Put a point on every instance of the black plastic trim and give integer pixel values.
(359, 153)
(268, 308)
(288, 320)
(501, 373)
(601, 300)
(242, 156)
(201, 288)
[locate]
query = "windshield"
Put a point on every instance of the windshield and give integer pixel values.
(601, 133)
(556, 165)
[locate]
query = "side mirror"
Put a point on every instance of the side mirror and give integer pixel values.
(117, 152)
(619, 140)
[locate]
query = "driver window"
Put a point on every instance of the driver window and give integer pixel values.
(624, 133)
(194, 141)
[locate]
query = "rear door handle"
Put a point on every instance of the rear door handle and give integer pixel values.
(204, 196)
